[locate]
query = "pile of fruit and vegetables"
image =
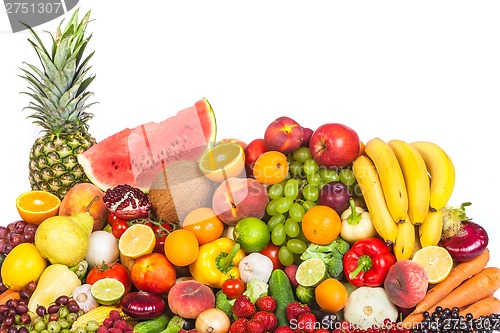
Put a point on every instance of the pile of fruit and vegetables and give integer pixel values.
(166, 228)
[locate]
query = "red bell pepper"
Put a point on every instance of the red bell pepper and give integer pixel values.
(367, 262)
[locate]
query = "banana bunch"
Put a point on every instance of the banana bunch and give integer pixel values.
(405, 187)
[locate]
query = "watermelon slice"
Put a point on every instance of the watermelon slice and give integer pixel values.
(135, 156)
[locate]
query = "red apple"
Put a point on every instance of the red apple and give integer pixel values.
(334, 145)
(252, 152)
(237, 198)
(153, 273)
(307, 136)
(406, 283)
(284, 135)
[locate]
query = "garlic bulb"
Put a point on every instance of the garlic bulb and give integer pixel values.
(84, 298)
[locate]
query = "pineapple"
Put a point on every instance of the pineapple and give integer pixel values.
(59, 93)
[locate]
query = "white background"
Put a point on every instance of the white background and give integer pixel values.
(426, 70)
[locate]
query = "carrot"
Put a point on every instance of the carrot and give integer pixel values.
(483, 307)
(459, 274)
(472, 290)
(9, 294)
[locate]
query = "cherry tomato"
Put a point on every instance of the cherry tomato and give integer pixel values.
(112, 219)
(271, 251)
(114, 270)
(119, 228)
(160, 244)
(233, 287)
(161, 233)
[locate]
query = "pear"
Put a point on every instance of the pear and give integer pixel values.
(65, 239)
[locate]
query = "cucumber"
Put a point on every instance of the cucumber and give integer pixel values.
(154, 325)
(281, 290)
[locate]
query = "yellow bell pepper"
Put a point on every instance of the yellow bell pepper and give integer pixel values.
(217, 261)
(56, 280)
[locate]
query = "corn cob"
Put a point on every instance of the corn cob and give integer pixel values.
(99, 314)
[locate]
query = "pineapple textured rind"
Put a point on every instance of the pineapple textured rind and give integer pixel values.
(59, 96)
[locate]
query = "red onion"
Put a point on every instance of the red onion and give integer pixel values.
(142, 305)
(470, 242)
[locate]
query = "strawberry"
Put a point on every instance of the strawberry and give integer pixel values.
(255, 326)
(283, 329)
(266, 303)
(239, 326)
(307, 322)
(243, 307)
(321, 330)
(269, 319)
(295, 309)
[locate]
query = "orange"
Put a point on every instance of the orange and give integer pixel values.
(222, 161)
(181, 247)
(331, 295)
(204, 224)
(136, 241)
(36, 206)
(321, 225)
(270, 167)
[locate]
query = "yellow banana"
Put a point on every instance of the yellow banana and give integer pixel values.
(391, 178)
(430, 230)
(405, 240)
(441, 170)
(369, 183)
(416, 179)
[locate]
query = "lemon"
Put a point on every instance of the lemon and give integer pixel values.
(436, 261)
(136, 241)
(252, 234)
(311, 272)
(222, 161)
(22, 265)
(107, 291)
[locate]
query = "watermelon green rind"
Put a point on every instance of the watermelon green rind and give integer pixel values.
(135, 156)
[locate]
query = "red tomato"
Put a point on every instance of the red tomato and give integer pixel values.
(161, 233)
(112, 219)
(233, 287)
(271, 251)
(119, 227)
(114, 270)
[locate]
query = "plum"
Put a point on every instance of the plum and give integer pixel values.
(335, 195)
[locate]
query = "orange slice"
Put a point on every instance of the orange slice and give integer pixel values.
(136, 241)
(436, 261)
(36, 206)
(222, 161)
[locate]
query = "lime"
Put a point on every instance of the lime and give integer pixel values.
(311, 272)
(252, 234)
(107, 291)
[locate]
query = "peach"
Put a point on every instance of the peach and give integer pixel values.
(253, 150)
(153, 273)
(80, 198)
(307, 136)
(237, 198)
(406, 283)
(284, 134)
(188, 298)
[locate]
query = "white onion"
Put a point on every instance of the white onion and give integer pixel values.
(103, 247)
(212, 320)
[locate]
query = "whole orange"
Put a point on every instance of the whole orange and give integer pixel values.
(153, 273)
(204, 224)
(331, 295)
(181, 247)
(321, 225)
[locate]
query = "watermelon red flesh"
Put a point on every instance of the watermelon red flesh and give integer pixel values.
(135, 156)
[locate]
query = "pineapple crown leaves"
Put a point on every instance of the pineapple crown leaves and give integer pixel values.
(59, 91)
